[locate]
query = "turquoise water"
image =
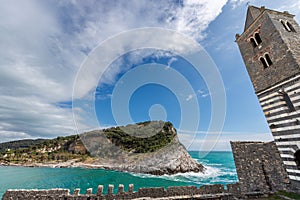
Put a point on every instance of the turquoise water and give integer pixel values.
(220, 168)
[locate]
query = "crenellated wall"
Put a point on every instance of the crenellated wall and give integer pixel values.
(258, 164)
(259, 167)
(232, 191)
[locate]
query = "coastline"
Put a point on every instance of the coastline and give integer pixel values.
(67, 164)
(219, 171)
(147, 156)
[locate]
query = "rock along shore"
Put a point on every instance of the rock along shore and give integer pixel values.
(107, 150)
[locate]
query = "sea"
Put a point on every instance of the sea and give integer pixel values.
(220, 169)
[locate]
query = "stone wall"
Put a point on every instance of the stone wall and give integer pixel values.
(232, 191)
(259, 167)
(281, 45)
(277, 83)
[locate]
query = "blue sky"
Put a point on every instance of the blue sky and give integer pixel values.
(43, 46)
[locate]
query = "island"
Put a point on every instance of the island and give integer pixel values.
(150, 147)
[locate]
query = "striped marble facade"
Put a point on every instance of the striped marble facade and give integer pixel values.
(281, 106)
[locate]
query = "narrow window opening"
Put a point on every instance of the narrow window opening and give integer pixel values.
(288, 101)
(269, 61)
(272, 126)
(290, 26)
(257, 38)
(263, 61)
(253, 42)
(285, 26)
(297, 158)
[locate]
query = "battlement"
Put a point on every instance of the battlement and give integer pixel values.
(218, 191)
(259, 167)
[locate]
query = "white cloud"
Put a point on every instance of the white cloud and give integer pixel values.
(191, 18)
(189, 97)
(170, 62)
(203, 93)
(37, 72)
(42, 45)
(34, 117)
(10, 135)
(292, 7)
(236, 3)
(194, 17)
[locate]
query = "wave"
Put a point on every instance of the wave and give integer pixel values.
(211, 175)
(201, 160)
(214, 164)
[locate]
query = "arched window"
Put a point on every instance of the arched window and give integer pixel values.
(285, 26)
(257, 38)
(290, 26)
(297, 158)
(263, 61)
(266, 60)
(253, 42)
(269, 62)
(287, 100)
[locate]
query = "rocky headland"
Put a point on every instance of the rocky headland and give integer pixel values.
(148, 147)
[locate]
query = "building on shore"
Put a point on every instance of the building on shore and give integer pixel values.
(270, 47)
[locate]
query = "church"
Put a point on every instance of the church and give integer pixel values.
(270, 48)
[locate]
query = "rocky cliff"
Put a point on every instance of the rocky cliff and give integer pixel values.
(148, 147)
(171, 159)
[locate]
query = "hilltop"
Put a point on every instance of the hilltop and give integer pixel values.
(27, 152)
(147, 147)
(18, 144)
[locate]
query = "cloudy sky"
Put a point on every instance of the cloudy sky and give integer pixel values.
(44, 44)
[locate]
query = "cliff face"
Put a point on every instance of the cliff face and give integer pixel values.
(148, 147)
(171, 159)
(156, 152)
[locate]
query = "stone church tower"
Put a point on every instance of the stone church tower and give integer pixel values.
(270, 47)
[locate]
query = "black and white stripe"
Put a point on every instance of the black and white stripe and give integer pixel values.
(284, 123)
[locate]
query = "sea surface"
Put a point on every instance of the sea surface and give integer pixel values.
(220, 169)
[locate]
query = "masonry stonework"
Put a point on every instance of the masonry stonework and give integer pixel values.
(270, 47)
(281, 45)
(259, 167)
(185, 192)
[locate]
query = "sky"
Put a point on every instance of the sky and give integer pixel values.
(71, 66)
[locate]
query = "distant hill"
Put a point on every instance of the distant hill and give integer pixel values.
(147, 147)
(42, 150)
(137, 141)
(20, 144)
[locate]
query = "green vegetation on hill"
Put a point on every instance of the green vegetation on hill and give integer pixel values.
(144, 137)
(142, 143)
(19, 144)
(43, 150)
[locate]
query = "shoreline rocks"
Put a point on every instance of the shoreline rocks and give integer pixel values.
(160, 152)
